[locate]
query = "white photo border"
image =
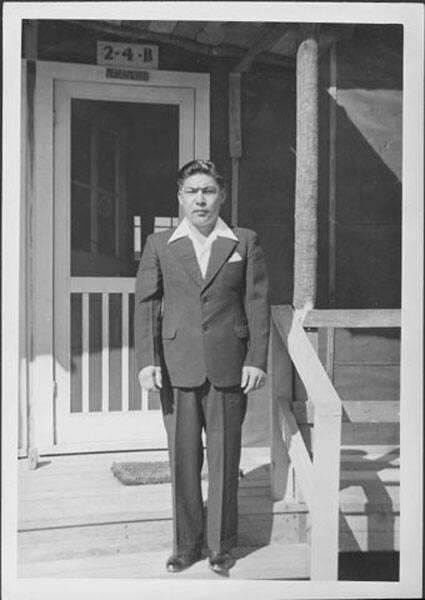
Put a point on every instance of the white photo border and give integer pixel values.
(410, 15)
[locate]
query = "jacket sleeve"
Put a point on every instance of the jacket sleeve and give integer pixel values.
(257, 306)
(147, 307)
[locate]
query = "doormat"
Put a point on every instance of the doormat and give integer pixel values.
(144, 473)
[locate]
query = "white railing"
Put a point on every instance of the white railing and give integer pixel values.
(124, 286)
(318, 478)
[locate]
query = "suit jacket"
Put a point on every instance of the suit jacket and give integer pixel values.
(196, 328)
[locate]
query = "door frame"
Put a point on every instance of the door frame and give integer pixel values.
(24, 307)
(43, 388)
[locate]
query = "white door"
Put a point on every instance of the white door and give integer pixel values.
(106, 200)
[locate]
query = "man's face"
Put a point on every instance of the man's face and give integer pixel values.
(201, 199)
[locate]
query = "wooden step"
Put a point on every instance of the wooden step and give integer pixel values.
(268, 562)
(144, 536)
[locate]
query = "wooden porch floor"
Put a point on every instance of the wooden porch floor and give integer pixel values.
(77, 520)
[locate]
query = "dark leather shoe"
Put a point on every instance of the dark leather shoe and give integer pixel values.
(220, 562)
(180, 562)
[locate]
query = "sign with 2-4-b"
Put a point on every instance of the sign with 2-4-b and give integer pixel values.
(127, 55)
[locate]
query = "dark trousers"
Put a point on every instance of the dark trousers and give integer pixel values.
(186, 412)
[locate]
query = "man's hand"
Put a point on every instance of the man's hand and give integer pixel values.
(252, 379)
(150, 378)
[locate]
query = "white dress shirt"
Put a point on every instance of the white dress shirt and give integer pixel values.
(202, 244)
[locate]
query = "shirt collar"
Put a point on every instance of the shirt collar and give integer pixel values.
(220, 229)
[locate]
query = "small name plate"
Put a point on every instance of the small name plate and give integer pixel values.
(127, 55)
(127, 74)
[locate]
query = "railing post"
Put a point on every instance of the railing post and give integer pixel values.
(281, 470)
(325, 506)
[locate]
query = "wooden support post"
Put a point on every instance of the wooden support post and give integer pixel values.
(306, 186)
(235, 139)
(325, 506)
(332, 174)
(281, 470)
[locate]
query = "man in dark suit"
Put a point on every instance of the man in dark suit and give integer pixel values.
(201, 330)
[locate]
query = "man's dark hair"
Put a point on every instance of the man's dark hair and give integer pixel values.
(194, 167)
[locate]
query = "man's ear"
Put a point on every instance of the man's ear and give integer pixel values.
(223, 195)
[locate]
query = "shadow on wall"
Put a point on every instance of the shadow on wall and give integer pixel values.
(368, 218)
(368, 186)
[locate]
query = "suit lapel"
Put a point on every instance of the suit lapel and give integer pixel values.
(220, 250)
(184, 251)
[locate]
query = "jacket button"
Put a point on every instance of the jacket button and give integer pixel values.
(204, 299)
(204, 327)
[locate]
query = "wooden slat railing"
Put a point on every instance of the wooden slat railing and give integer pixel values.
(318, 478)
(124, 286)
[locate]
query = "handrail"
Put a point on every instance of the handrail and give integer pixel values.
(353, 318)
(314, 377)
(318, 477)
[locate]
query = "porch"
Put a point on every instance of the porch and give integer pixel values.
(77, 520)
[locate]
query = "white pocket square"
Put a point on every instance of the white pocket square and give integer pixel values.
(236, 257)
